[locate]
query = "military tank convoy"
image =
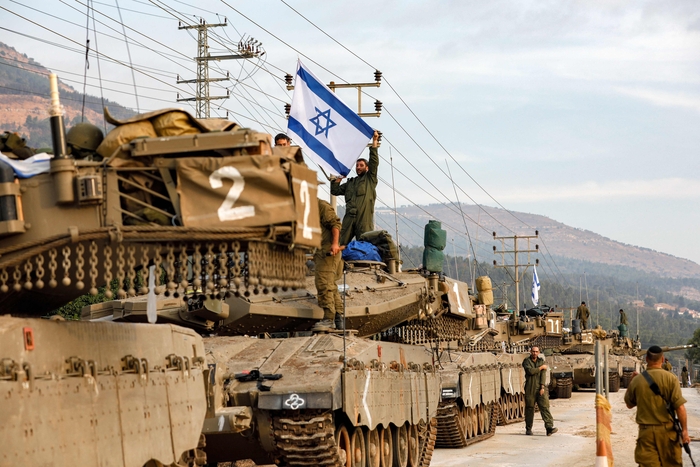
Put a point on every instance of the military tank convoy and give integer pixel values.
(203, 350)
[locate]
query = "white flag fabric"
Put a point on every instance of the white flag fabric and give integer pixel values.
(535, 287)
(328, 131)
(27, 168)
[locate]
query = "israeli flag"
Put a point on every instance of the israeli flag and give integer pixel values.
(535, 287)
(328, 131)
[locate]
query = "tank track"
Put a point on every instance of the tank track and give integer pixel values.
(564, 387)
(428, 437)
(625, 379)
(305, 438)
(452, 431)
(511, 408)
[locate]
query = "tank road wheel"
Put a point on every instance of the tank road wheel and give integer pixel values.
(344, 445)
(463, 421)
(359, 451)
(475, 421)
(521, 402)
(400, 435)
(413, 446)
(372, 447)
(504, 409)
(467, 414)
(387, 447)
(509, 404)
(480, 419)
(488, 416)
(614, 381)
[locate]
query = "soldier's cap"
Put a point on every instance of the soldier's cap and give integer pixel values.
(655, 349)
(620, 310)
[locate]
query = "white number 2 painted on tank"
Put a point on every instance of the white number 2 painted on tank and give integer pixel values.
(304, 195)
(226, 211)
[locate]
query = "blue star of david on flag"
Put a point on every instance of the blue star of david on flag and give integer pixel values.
(334, 151)
(317, 121)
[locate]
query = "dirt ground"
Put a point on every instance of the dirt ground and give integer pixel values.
(573, 445)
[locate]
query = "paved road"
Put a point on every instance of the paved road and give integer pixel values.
(573, 445)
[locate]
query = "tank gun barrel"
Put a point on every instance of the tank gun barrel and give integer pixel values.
(671, 348)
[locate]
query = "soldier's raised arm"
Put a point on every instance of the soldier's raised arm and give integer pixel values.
(373, 163)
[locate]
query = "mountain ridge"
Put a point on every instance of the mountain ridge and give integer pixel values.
(556, 238)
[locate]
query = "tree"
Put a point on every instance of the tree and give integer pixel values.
(694, 354)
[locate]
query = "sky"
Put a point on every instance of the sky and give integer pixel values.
(583, 111)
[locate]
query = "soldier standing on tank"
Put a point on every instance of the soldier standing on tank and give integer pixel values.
(282, 140)
(83, 140)
(328, 268)
(360, 193)
(583, 314)
(536, 392)
(623, 318)
(657, 442)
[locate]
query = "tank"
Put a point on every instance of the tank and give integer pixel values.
(203, 228)
(167, 208)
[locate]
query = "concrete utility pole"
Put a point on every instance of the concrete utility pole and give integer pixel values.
(516, 266)
(246, 49)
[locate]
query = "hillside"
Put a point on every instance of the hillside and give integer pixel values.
(561, 240)
(24, 99)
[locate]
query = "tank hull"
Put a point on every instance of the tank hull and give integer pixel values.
(107, 394)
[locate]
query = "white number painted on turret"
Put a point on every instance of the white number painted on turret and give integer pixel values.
(304, 195)
(226, 211)
(587, 338)
(459, 300)
(553, 326)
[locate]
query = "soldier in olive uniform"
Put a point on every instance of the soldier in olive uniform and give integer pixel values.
(536, 391)
(583, 314)
(623, 318)
(667, 365)
(657, 442)
(329, 267)
(360, 193)
(684, 377)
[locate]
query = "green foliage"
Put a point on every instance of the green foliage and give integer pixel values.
(605, 294)
(73, 309)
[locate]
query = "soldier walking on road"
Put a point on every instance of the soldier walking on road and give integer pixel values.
(360, 193)
(684, 377)
(329, 267)
(536, 392)
(623, 318)
(657, 442)
(583, 314)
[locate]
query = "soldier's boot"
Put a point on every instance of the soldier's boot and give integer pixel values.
(323, 325)
(528, 431)
(551, 431)
(339, 322)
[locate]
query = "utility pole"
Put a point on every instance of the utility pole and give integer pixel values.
(246, 49)
(516, 266)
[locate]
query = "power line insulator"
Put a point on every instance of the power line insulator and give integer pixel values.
(377, 76)
(288, 79)
(494, 248)
(537, 247)
(494, 262)
(537, 232)
(494, 235)
(378, 106)
(287, 109)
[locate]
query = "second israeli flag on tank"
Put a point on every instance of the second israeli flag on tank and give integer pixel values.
(535, 287)
(328, 131)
